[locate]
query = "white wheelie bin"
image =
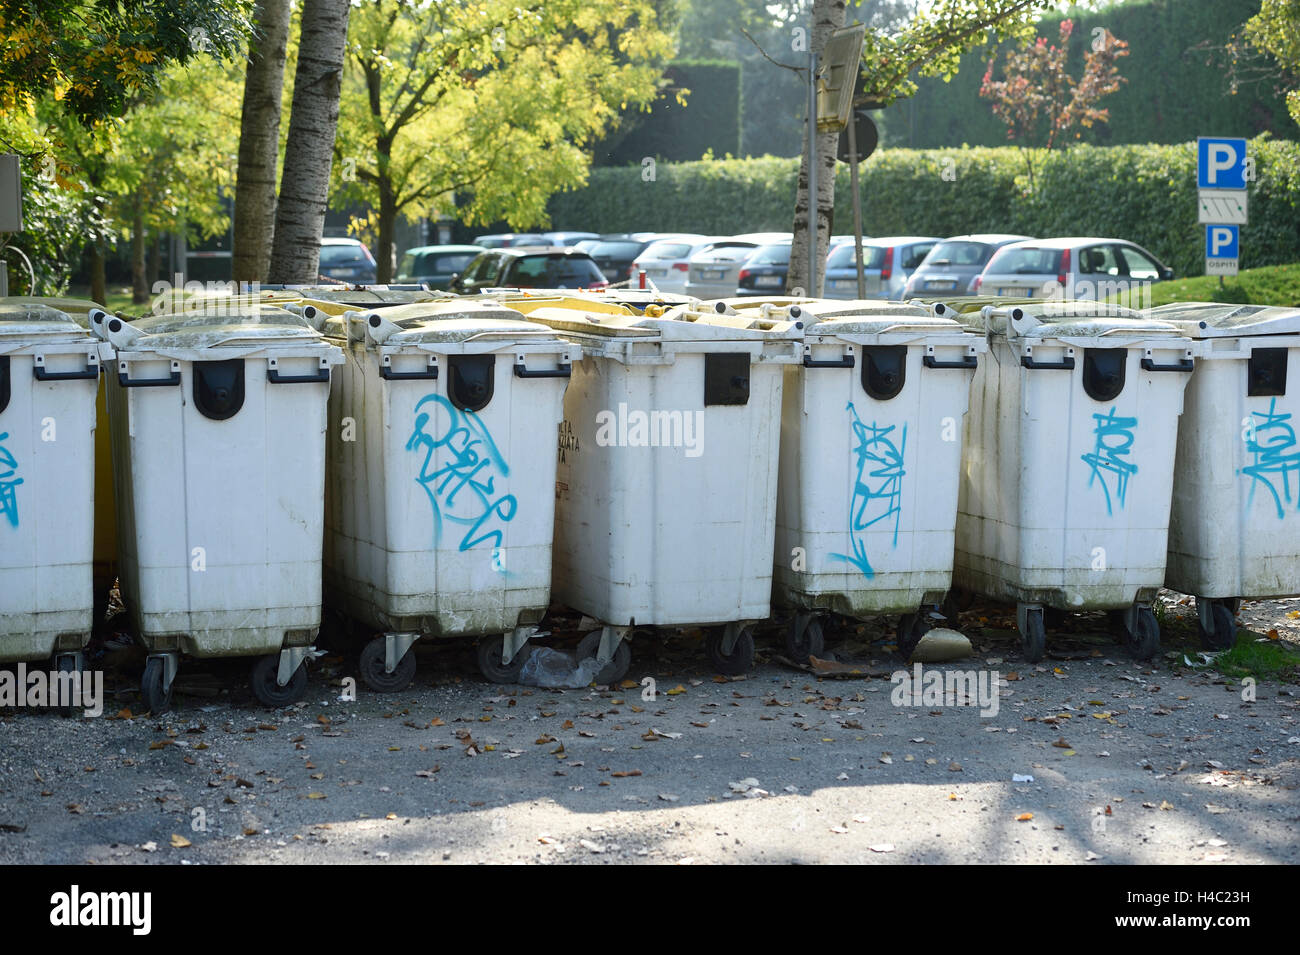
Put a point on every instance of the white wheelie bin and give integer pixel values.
(1234, 531)
(49, 371)
(871, 440)
(218, 421)
(1069, 464)
(666, 482)
(440, 499)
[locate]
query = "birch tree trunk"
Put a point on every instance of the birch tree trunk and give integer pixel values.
(259, 142)
(828, 16)
(309, 151)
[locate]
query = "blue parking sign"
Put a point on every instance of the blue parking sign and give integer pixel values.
(1221, 241)
(1220, 163)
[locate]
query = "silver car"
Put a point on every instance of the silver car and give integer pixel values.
(1080, 267)
(887, 264)
(714, 271)
(666, 261)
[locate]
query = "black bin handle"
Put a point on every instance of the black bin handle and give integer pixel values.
(42, 374)
(127, 382)
(846, 362)
(430, 373)
(966, 361)
(522, 371)
(1065, 364)
(1184, 364)
(274, 376)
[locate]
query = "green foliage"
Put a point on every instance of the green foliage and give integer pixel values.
(1146, 194)
(697, 111)
(1267, 285)
(98, 56)
(1177, 88)
(1276, 29)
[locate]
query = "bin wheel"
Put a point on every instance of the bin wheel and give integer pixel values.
(741, 658)
(67, 663)
(1233, 604)
(811, 643)
(156, 701)
(1033, 639)
(911, 628)
(1224, 636)
(489, 660)
(372, 668)
(1144, 640)
(1053, 618)
(615, 669)
(268, 691)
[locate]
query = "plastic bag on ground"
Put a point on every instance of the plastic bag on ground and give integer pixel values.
(547, 667)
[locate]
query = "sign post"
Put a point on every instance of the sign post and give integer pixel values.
(1222, 171)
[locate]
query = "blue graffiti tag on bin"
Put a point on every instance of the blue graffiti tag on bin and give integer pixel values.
(8, 482)
(1109, 458)
(1272, 442)
(877, 485)
(462, 489)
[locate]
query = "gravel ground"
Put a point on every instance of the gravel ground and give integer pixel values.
(1131, 763)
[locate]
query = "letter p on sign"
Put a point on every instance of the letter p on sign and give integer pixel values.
(1221, 241)
(1220, 163)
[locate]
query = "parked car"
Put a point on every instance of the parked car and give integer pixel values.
(507, 240)
(955, 263)
(713, 271)
(615, 256)
(764, 272)
(529, 267)
(666, 261)
(434, 265)
(1085, 267)
(347, 260)
(887, 264)
(568, 238)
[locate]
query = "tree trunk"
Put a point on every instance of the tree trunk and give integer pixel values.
(828, 16)
(139, 281)
(98, 285)
(259, 142)
(309, 151)
(387, 219)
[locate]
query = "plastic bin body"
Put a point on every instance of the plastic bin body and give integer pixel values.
(869, 468)
(1065, 498)
(221, 518)
(440, 512)
(666, 483)
(49, 370)
(1235, 523)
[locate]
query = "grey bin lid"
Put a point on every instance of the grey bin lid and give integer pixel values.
(23, 320)
(872, 318)
(1224, 320)
(215, 327)
(1071, 320)
(682, 323)
(445, 322)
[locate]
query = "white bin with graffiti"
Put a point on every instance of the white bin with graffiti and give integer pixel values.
(1234, 530)
(871, 440)
(666, 485)
(49, 371)
(218, 430)
(1069, 464)
(441, 494)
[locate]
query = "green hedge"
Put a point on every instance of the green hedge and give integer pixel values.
(1146, 194)
(1173, 92)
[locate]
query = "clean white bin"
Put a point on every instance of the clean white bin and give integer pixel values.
(1069, 464)
(666, 484)
(440, 498)
(218, 425)
(1234, 530)
(871, 440)
(49, 371)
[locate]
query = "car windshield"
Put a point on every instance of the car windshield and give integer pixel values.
(1025, 260)
(345, 254)
(432, 263)
(844, 257)
(771, 255)
(667, 250)
(616, 250)
(554, 271)
(960, 253)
